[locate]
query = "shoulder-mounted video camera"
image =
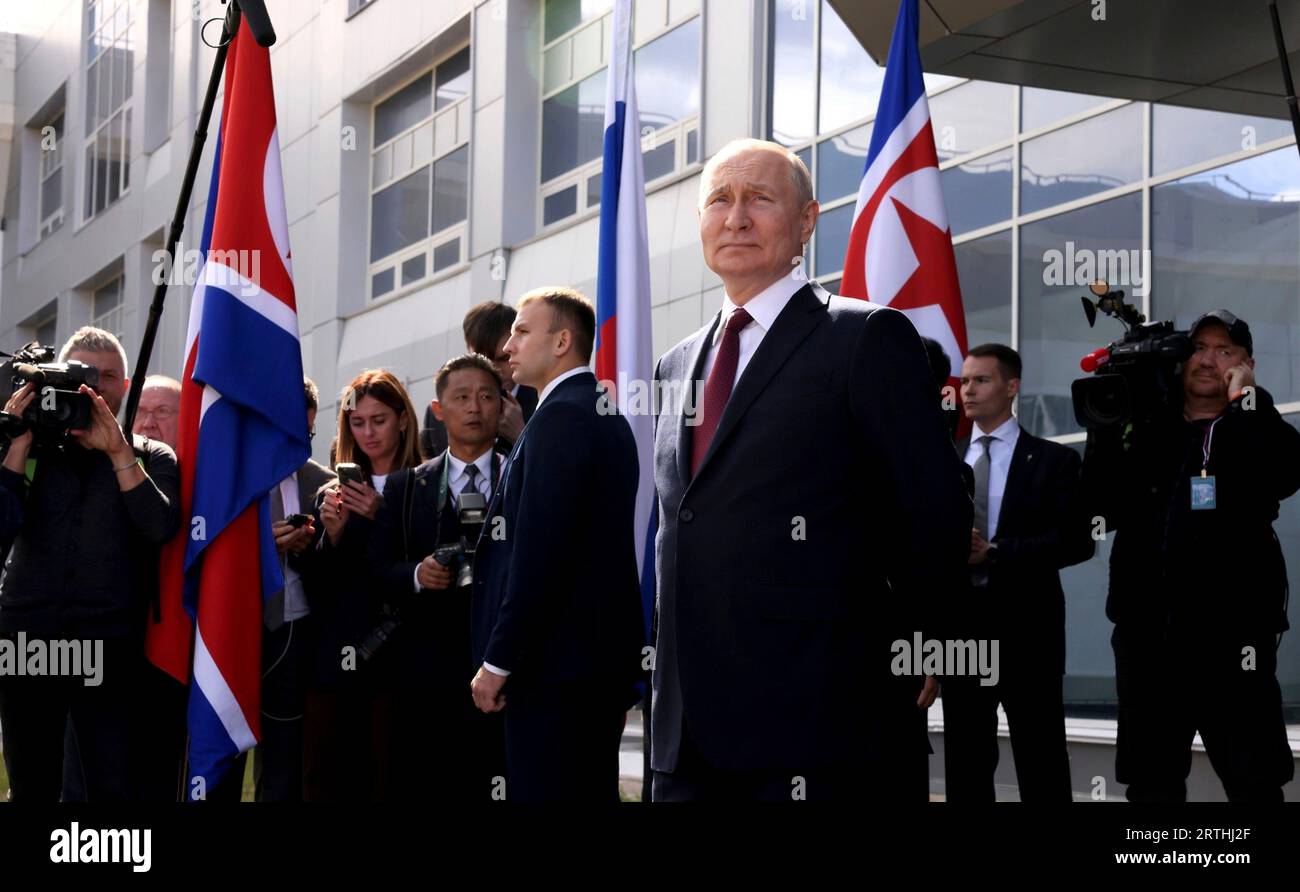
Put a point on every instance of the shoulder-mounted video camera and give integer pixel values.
(1133, 378)
(58, 405)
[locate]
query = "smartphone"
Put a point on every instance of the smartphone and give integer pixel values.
(349, 472)
(297, 520)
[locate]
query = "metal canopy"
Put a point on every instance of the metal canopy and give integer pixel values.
(1215, 54)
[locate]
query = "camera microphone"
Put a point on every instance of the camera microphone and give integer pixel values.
(1094, 360)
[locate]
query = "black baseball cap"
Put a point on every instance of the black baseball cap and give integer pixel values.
(1238, 330)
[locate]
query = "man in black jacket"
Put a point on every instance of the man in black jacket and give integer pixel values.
(557, 598)
(1028, 525)
(1197, 578)
(428, 658)
(84, 565)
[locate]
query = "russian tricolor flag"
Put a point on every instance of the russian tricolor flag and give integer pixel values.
(243, 429)
(623, 345)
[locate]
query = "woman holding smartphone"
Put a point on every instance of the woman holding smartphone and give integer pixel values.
(349, 721)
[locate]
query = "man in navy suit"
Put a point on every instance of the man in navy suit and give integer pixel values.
(1028, 525)
(811, 507)
(557, 626)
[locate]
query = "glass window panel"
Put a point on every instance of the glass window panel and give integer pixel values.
(399, 215)
(89, 210)
(692, 147)
(1041, 107)
(668, 76)
(46, 331)
(573, 125)
(840, 163)
(52, 193)
(978, 193)
(452, 79)
(832, 285)
(422, 145)
(972, 116)
(1183, 136)
(402, 155)
(107, 62)
(450, 189)
(557, 66)
(107, 297)
(659, 160)
(850, 80)
(1287, 527)
(586, 50)
(1089, 661)
(792, 81)
(382, 166)
(446, 254)
(1083, 159)
(126, 68)
(113, 147)
(593, 190)
(563, 16)
(1231, 237)
(405, 108)
(1055, 259)
(805, 154)
(382, 282)
(103, 164)
(118, 87)
(560, 205)
(126, 150)
(413, 269)
(833, 238)
(92, 91)
(984, 273)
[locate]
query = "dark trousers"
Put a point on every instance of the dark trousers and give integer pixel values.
(277, 759)
(562, 745)
(348, 742)
(1172, 685)
(35, 712)
(697, 780)
(904, 749)
(1036, 718)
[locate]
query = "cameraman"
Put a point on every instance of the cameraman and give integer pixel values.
(84, 565)
(1197, 579)
(428, 661)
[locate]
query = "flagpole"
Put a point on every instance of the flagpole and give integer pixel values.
(260, 26)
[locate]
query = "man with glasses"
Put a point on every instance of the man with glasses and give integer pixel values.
(158, 415)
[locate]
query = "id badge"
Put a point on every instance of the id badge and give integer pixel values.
(1203, 493)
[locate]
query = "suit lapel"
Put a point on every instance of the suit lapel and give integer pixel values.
(1023, 459)
(791, 327)
(695, 354)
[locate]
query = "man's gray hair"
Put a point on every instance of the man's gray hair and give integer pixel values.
(89, 339)
(164, 381)
(800, 176)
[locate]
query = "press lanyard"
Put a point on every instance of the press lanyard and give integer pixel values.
(1206, 441)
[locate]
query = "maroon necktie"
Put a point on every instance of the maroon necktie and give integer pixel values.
(717, 390)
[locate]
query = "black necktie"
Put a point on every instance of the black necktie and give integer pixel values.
(980, 574)
(471, 484)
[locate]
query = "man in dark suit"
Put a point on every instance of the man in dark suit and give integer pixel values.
(1028, 525)
(428, 662)
(557, 604)
(487, 327)
(783, 570)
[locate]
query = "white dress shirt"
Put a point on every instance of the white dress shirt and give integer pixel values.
(546, 391)
(456, 480)
(1004, 437)
(764, 308)
(295, 598)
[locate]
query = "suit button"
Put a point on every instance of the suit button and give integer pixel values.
(686, 515)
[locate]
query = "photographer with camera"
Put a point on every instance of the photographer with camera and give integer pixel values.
(422, 552)
(1190, 485)
(84, 563)
(348, 717)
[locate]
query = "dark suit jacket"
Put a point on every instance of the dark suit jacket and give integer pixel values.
(1041, 529)
(770, 641)
(557, 597)
(433, 438)
(431, 647)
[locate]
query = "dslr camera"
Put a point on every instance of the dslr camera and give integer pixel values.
(471, 513)
(1133, 378)
(58, 405)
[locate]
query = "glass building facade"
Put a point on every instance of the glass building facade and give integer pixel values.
(1184, 209)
